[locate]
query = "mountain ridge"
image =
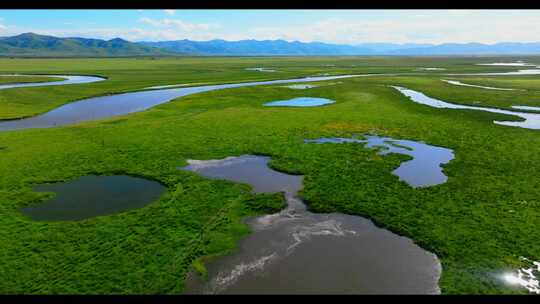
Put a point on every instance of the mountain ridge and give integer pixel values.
(31, 44)
(282, 47)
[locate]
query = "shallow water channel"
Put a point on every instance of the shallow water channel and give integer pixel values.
(531, 120)
(422, 171)
(69, 79)
(459, 83)
(299, 252)
(125, 103)
(91, 196)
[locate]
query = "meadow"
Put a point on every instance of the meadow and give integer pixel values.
(25, 79)
(478, 223)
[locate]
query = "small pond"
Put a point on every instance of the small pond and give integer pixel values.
(299, 252)
(91, 196)
(300, 102)
(421, 171)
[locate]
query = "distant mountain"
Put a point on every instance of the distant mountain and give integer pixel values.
(282, 47)
(256, 47)
(30, 44)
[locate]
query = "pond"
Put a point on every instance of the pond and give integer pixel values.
(299, 252)
(300, 102)
(91, 196)
(422, 171)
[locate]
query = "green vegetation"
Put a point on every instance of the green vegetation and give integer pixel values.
(34, 45)
(434, 87)
(478, 223)
(25, 79)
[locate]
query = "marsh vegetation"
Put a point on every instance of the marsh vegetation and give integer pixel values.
(479, 223)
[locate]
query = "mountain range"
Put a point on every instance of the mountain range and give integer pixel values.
(30, 44)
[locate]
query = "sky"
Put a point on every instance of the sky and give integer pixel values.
(331, 26)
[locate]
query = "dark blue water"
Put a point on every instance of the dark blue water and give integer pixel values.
(91, 196)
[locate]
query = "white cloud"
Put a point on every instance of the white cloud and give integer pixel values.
(178, 24)
(459, 26)
(131, 34)
(169, 12)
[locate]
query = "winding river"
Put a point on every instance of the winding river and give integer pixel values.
(125, 103)
(531, 120)
(68, 79)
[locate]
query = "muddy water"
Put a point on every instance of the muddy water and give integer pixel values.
(300, 102)
(69, 79)
(299, 252)
(531, 120)
(125, 103)
(422, 171)
(91, 196)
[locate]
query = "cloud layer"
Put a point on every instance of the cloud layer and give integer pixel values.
(460, 26)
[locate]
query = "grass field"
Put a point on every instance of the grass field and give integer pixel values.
(478, 223)
(25, 79)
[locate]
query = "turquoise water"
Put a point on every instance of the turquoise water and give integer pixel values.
(300, 102)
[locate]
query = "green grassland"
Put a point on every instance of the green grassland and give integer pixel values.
(478, 223)
(25, 79)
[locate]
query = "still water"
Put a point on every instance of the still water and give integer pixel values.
(299, 252)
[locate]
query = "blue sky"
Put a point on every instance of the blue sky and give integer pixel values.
(333, 26)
